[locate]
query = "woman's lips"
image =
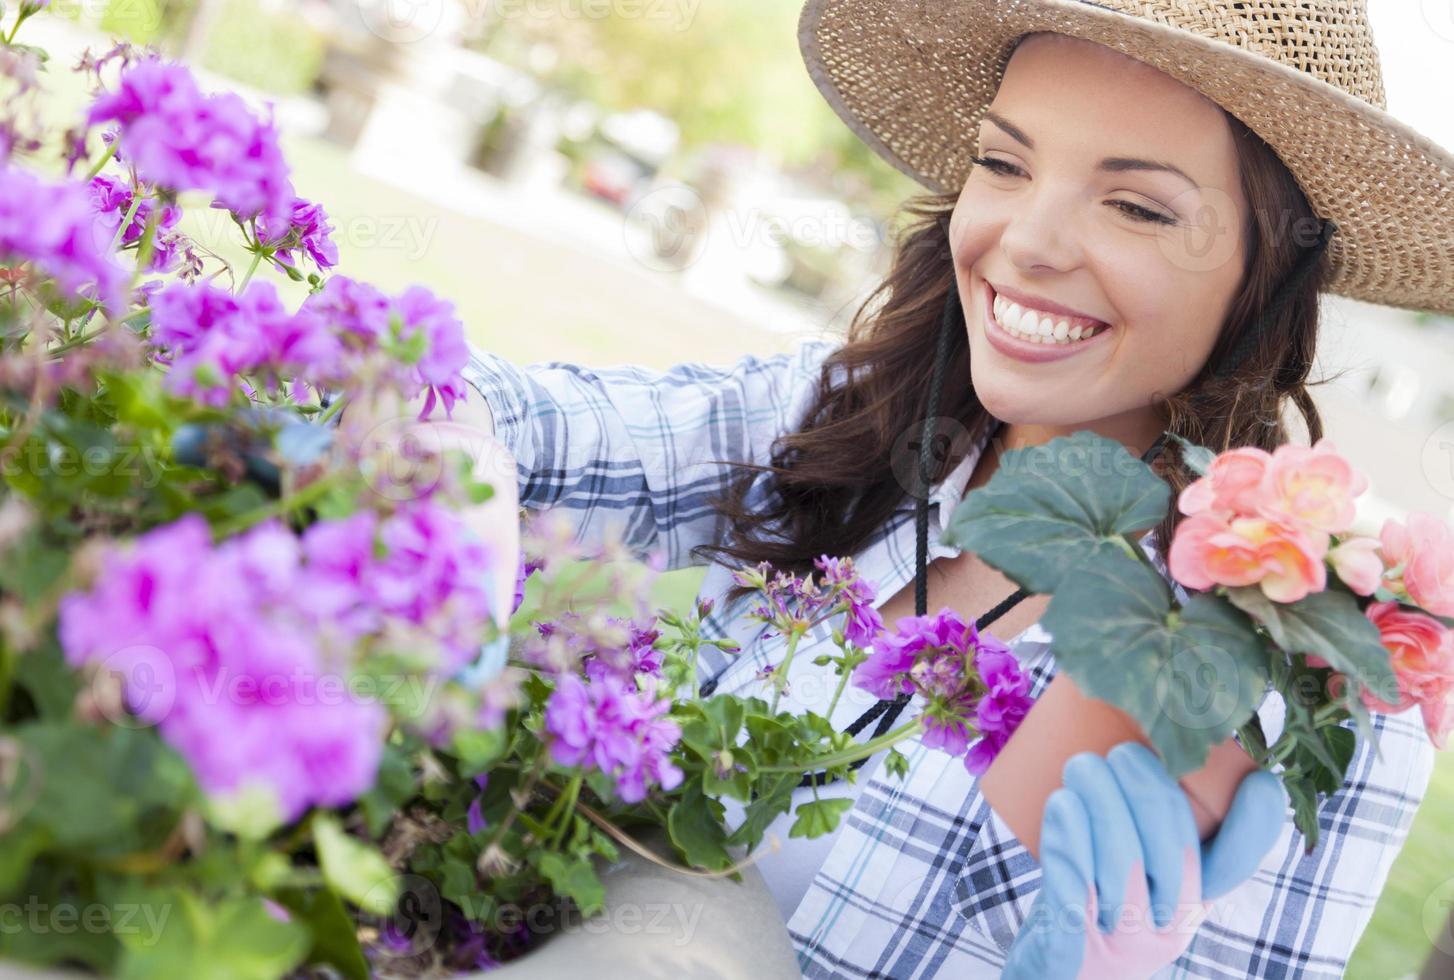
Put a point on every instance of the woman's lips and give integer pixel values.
(1026, 350)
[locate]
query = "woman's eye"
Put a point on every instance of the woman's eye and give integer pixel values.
(1002, 167)
(1138, 213)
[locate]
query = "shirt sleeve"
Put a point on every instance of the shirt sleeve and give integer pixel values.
(1302, 914)
(645, 450)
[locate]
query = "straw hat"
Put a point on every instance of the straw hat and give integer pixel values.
(913, 77)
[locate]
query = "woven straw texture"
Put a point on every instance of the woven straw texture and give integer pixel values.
(913, 77)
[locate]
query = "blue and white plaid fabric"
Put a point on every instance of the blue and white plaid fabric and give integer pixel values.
(921, 879)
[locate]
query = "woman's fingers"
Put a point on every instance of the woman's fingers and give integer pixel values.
(1164, 822)
(1048, 944)
(1116, 844)
(1253, 825)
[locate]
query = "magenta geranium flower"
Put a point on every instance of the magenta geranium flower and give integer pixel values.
(609, 726)
(307, 228)
(54, 227)
(181, 139)
(975, 691)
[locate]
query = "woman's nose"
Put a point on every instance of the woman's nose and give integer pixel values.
(1039, 235)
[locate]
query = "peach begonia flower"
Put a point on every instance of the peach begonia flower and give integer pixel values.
(1358, 563)
(1311, 487)
(1286, 561)
(1425, 549)
(1421, 652)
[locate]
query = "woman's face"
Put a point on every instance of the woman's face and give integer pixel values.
(1156, 256)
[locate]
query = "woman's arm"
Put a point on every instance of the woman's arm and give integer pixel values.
(642, 448)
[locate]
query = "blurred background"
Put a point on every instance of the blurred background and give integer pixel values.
(656, 181)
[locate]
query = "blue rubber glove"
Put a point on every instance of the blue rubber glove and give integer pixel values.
(1125, 881)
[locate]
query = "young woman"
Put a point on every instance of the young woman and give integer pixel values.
(1121, 244)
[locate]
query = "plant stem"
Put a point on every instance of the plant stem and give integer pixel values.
(860, 751)
(277, 508)
(780, 675)
(257, 258)
(334, 407)
(126, 221)
(837, 692)
(567, 802)
(110, 152)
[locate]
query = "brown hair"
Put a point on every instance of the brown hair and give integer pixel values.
(833, 481)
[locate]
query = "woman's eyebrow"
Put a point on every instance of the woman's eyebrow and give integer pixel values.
(1112, 164)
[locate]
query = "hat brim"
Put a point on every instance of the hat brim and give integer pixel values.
(912, 78)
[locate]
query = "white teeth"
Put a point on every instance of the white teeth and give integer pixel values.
(1038, 328)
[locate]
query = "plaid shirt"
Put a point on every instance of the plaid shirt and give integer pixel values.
(921, 879)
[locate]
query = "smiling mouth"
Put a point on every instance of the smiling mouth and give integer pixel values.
(1016, 340)
(1038, 327)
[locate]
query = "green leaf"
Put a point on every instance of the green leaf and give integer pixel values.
(1190, 677)
(573, 876)
(238, 940)
(1328, 624)
(1304, 797)
(896, 763)
(393, 787)
(356, 869)
(775, 796)
(1198, 458)
(334, 934)
(478, 749)
(1059, 507)
(695, 825)
(820, 817)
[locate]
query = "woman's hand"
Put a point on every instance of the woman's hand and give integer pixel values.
(1125, 881)
(405, 454)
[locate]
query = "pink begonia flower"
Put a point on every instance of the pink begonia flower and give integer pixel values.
(1231, 485)
(1421, 651)
(1312, 487)
(1308, 487)
(1358, 564)
(1425, 549)
(1285, 561)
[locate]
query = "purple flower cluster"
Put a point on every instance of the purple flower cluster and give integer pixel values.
(214, 338)
(430, 578)
(973, 684)
(53, 226)
(417, 325)
(307, 228)
(181, 139)
(111, 198)
(219, 647)
(607, 646)
(242, 652)
(789, 602)
(1001, 708)
(607, 725)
